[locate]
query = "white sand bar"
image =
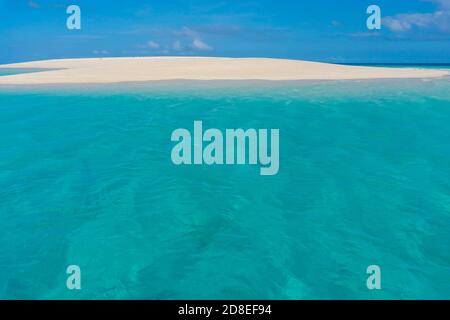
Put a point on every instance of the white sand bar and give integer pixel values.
(114, 70)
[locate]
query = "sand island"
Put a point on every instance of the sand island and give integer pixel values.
(140, 69)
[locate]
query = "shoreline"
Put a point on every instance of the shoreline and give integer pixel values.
(206, 85)
(157, 69)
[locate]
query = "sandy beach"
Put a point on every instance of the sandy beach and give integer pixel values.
(116, 70)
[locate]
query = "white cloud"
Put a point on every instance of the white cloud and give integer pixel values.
(436, 21)
(153, 45)
(179, 41)
(200, 45)
(193, 36)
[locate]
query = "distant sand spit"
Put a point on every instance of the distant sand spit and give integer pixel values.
(116, 70)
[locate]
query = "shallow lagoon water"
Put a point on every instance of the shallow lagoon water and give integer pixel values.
(13, 71)
(86, 178)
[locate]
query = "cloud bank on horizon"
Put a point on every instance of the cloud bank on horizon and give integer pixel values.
(324, 30)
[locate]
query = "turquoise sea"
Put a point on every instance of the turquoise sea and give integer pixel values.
(86, 179)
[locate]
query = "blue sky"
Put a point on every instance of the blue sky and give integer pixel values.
(323, 30)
